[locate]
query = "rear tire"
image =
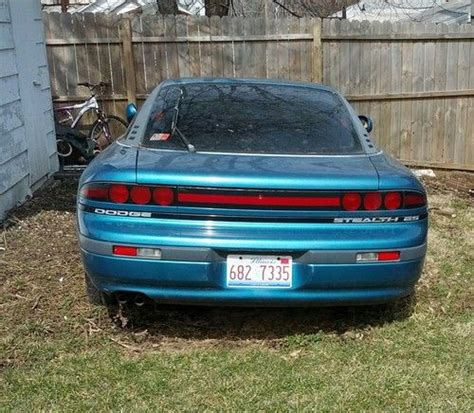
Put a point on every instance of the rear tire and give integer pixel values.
(95, 296)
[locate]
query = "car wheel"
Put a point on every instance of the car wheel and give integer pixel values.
(95, 296)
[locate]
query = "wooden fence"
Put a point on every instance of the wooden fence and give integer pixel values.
(415, 80)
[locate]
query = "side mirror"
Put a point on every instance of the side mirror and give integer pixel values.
(367, 122)
(130, 112)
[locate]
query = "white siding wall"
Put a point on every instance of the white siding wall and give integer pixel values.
(27, 142)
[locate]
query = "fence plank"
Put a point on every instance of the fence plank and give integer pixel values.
(182, 49)
(154, 62)
(272, 49)
(217, 52)
(451, 83)
(385, 74)
(205, 47)
(407, 86)
(395, 86)
(428, 84)
(228, 48)
(375, 84)
(239, 57)
(128, 62)
(416, 144)
(307, 27)
(317, 52)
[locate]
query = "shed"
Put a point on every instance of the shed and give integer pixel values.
(27, 138)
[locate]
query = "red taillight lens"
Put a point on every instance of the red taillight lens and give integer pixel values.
(118, 193)
(122, 250)
(392, 200)
(97, 193)
(351, 201)
(140, 195)
(388, 256)
(163, 196)
(372, 201)
(413, 200)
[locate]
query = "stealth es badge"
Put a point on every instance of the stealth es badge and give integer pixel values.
(375, 220)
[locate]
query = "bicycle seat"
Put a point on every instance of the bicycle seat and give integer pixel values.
(86, 84)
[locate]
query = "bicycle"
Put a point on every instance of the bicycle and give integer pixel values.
(102, 133)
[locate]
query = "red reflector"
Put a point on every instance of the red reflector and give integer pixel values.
(121, 250)
(118, 193)
(163, 196)
(140, 194)
(372, 201)
(351, 201)
(389, 256)
(259, 200)
(392, 200)
(98, 193)
(412, 199)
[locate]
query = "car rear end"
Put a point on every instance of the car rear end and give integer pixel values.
(216, 227)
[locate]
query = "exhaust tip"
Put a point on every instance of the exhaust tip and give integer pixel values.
(139, 300)
(122, 298)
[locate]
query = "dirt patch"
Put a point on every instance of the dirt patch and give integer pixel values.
(460, 184)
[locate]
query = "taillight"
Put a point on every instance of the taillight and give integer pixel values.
(372, 201)
(351, 201)
(131, 194)
(140, 195)
(414, 200)
(392, 200)
(166, 195)
(163, 196)
(96, 193)
(118, 193)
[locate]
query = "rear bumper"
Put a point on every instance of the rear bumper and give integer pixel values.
(197, 276)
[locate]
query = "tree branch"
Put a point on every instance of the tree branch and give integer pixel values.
(286, 8)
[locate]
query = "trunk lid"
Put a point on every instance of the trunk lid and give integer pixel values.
(323, 173)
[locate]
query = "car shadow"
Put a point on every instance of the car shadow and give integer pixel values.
(244, 323)
(233, 323)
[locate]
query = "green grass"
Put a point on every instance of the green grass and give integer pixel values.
(408, 365)
(58, 353)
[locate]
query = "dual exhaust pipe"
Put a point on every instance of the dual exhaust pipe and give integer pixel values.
(125, 298)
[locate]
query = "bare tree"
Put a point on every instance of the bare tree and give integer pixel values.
(314, 8)
(217, 7)
(288, 8)
(167, 6)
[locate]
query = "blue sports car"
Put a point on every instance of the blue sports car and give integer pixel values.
(249, 192)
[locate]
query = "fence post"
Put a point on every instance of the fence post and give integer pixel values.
(317, 52)
(128, 63)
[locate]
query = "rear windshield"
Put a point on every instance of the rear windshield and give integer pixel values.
(251, 118)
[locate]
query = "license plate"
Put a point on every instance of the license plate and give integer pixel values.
(259, 271)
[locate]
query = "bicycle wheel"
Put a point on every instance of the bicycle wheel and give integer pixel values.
(64, 148)
(104, 131)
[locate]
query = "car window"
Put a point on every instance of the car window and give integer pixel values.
(251, 118)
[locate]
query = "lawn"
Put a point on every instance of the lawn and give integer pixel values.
(59, 353)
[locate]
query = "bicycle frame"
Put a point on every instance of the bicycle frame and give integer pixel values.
(89, 104)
